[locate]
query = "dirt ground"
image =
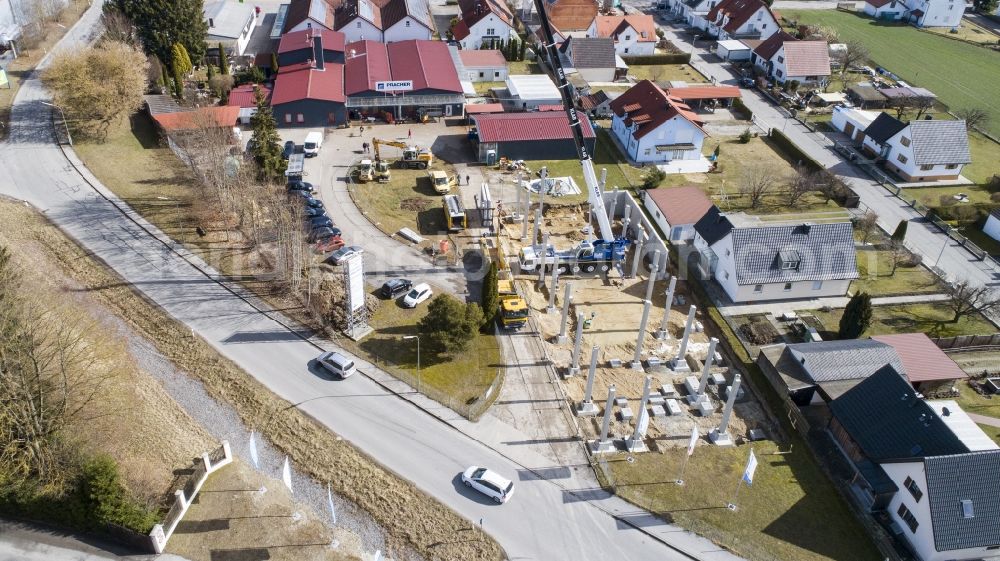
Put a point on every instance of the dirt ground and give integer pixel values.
(410, 518)
(616, 308)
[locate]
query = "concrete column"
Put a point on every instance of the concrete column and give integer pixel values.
(703, 382)
(543, 175)
(637, 256)
(613, 207)
(567, 298)
(604, 444)
(574, 367)
(657, 261)
(587, 407)
(553, 287)
(635, 443)
(637, 358)
(544, 258)
(525, 209)
(626, 220)
(663, 334)
(680, 364)
(720, 436)
(538, 223)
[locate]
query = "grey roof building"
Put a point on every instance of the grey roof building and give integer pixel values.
(940, 142)
(884, 127)
(964, 500)
(593, 58)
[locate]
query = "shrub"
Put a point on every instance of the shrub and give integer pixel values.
(107, 499)
(759, 332)
(739, 107)
(995, 197)
(252, 75)
(671, 58)
(745, 136)
(652, 178)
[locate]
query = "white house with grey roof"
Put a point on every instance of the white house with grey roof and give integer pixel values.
(922, 150)
(230, 23)
(753, 262)
(592, 58)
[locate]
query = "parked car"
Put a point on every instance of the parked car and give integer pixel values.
(417, 294)
(299, 185)
(394, 287)
(337, 364)
(312, 211)
(329, 244)
(322, 234)
(746, 82)
(489, 483)
(289, 150)
(343, 253)
(311, 202)
(312, 144)
(320, 222)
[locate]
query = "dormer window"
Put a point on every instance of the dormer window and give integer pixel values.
(790, 260)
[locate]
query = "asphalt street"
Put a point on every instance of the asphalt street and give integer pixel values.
(545, 520)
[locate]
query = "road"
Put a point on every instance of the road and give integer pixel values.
(922, 237)
(547, 519)
(22, 542)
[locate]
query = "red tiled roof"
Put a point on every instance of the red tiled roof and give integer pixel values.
(807, 58)
(476, 108)
(524, 127)
(298, 40)
(649, 106)
(460, 30)
(572, 15)
(243, 96)
(482, 59)
(427, 63)
(551, 108)
(922, 360)
(704, 92)
(680, 205)
(878, 3)
(475, 10)
(224, 116)
(301, 81)
(557, 35)
(612, 26)
(772, 44)
(739, 11)
(592, 101)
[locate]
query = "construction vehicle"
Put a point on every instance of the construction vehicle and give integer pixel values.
(591, 254)
(381, 171)
(365, 171)
(441, 181)
(454, 213)
(513, 309)
(413, 156)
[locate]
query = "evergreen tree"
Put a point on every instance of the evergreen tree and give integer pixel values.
(857, 316)
(164, 76)
(223, 61)
(900, 234)
(274, 64)
(178, 80)
(523, 47)
(161, 23)
(449, 324)
(489, 299)
(210, 68)
(266, 142)
(180, 60)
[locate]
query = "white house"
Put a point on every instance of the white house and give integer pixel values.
(633, 34)
(784, 58)
(992, 226)
(653, 127)
(922, 13)
(694, 12)
(483, 65)
(230, 23)
(885, 9)
(483, 21)
(922, 150)
(757, 263)
(733, 50)
(851, 121)
(306, 14)
(731, 19)
(592, 58)
(386, 22)
(676, 210)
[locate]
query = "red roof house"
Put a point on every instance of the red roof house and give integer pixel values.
(923, 361)
(529, 136)
(739, 19)
(652, 126)
(676, 210)
(427, 64)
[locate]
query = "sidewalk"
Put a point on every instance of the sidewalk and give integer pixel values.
(778, 308)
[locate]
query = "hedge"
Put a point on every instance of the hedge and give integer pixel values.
(671, 58)
(741, 108)
(794, 151)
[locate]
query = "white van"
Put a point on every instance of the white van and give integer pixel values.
(314, 141)
(337, 364)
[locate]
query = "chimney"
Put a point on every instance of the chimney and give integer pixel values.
(318, 51)
(211, 22)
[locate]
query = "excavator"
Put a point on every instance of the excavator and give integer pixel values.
(607, 251)
(413, 156)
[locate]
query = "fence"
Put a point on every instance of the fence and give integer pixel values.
(967, 342)
(210, 462)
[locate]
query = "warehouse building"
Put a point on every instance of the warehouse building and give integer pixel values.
(528, 136)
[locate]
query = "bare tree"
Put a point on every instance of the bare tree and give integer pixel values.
(829, 185)
(965, 298)
(801, 183)
(922, 105)
(898, 255)
(855, 53)
(118, 28)
(866, 225)
(974, 117)
(757, 180)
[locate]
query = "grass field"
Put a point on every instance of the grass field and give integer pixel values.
(660, 73)
(876, 278)
(791, 513)
(962, 75)
(972, 402)
(932, 319)
(407, 201)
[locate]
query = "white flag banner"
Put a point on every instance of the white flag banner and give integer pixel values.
(329, 500)
(378, 555)
(286, 475)
(693, 441)
(751, 468)
(253, 450)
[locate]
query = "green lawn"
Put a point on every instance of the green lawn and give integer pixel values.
(791, 513)
(523, 67)
(876, 278)
(932, 319)
(962, 75)
(972, 402)
(483, 88)
(660, 73)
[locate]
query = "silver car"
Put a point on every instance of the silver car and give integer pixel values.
(337, 364)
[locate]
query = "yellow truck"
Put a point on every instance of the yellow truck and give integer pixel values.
(441, 182)
(513, 312)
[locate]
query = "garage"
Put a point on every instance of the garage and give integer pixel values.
(528, 136)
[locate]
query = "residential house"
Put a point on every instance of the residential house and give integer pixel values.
(653, 127)
(852, 122)
(528, 91)
(245, 97)
(785, 58)
(923, 150)
(693, 12)
(311, 44)
(992, 226)
(529, 136)
(676, 210)
(230, 23)
(483, 65)
(593, 59)
(864, 95)
(597, 104)
(305, 14)
(309, 94)
(571, 15)
(487, 22)
(386, 21)
(885, 9)
(732, 19)
(922, 13)
(754, 262)
(633, 35)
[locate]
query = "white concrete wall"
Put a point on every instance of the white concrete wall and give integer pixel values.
(892, 10)
(760, 25)
(627, 42)
(800, 290)
(490, 74)
(726, 54)
(597, 74)
(402, 32)
(305, 25)
(361, 29)
(482, 28)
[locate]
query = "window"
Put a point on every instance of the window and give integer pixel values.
(728, 252)
(951, 166)
(647, 151)
(496, 74)
(359, 25)
(758, 288)
(288, 117)
(727, 275)
(300, 118)
(777, 73)
(905, 514)
(490, 31)
(626, 50)
(904, 141)
(926, 167)
(407, 23)
(788, 287)
(481, 74)
(628, 37)
(902, 159)
(818, 285)
(781, 59)
(913, 488)
(760, 16)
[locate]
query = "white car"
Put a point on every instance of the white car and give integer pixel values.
(488, 483)
(417, 294)
(337, 364)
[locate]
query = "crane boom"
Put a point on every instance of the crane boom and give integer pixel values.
(594, 195)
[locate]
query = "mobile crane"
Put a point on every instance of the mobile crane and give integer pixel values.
(591, 254)
(413, 156)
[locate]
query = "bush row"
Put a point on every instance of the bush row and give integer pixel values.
(670, 58)
(792, 150)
